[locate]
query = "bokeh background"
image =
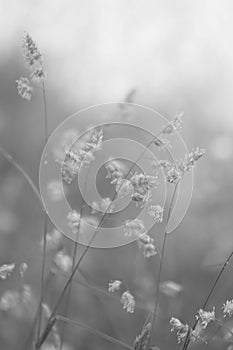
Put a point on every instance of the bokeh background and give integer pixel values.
(178, 56)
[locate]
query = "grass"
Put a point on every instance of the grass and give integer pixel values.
(141, 188)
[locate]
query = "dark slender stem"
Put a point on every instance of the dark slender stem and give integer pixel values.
(39, 343)
(161, 262)
(51, 323)
(74, 259)
(187, 339)
(45, 220)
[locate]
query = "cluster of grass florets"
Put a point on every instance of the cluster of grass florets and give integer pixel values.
(34, 63)
(138, 186)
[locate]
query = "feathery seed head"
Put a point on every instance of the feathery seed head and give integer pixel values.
(63, 262)
(124, 187)
(228, 308)
(128, 301)
(6, 270)
(134, 227)
(115, 171)
(180, 329)
(173, 175)
(24, 88)
(205, 317)
(32, 54)
(156, 212)
(142, 186)
(141, 340)
(190, 159)
(114, 285)
(174, 125)
(75, 159)
(74, 220)
(149, 250)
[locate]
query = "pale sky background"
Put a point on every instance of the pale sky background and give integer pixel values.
(97, 50)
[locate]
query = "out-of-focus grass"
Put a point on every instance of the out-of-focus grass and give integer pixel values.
(200, 243)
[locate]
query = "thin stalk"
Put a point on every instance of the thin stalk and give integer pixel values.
(45, 220)
(187, 339)
(53, 313)
(101, 301)
(29, 338)
(74, 260)
(94, 331)
(16, 165)
(161, 262)
(40, 340)
(99, 290)
(48, 279)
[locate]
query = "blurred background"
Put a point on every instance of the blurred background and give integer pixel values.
(178, 56)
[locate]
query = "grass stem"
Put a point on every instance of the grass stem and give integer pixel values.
(187, 339)
(45, 219)
(171, 206)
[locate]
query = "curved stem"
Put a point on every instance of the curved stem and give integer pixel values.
(31, 332)
(94, 331)
(40, 340)
(16, 165)
(98, 290)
